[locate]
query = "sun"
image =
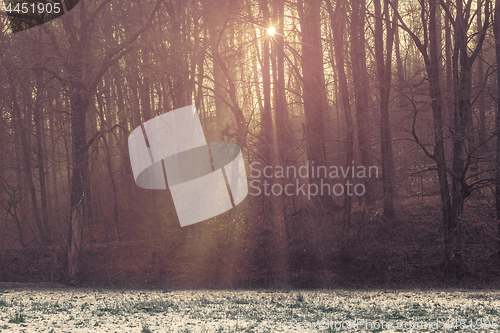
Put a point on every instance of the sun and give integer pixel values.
(271, 31)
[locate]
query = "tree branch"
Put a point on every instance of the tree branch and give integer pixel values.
(421, 47)
(119, 51)
(98, 135)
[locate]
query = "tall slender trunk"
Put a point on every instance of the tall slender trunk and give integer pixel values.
(400, 72)
(40, 154)
(200, 59)
(436, 103)
(216, 31)
(78, 201)
(53, 150)
(384, 67)
(266, 117)
(125, 158)
(314, 93)
(44, 240)
(431, 58)
(17, 214)
(337, 20)
(481, 84)
(109, 165)
(315, 110)
(282, 119)
(180, 88)
(282, 137)
(463, 139)
(79, 100)
(496, 30)
(462, 114)
(448, 91)
(361, 88)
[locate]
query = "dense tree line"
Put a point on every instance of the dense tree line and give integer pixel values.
(408, 87)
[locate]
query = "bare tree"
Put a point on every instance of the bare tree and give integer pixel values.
(81, 86)
(463, 141)
(429, 51)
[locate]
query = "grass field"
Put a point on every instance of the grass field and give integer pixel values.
(30, 308)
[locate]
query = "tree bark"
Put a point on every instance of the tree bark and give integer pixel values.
(361, 88)
(496, 30)
(448, 92)
(384, 67)
(27, 165)
(283, 138)
(282, 119)
(481, 85)
(180, 89)
(40, 154)
(463, 139)
(337, 20)
(314, 93)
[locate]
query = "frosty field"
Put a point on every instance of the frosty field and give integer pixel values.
(26, 308)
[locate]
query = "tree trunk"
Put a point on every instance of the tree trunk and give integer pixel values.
(283, 138)
(109, 166)
(337, 22)
(314, 93)
(282, 120)
(496, 30)
(384, 67)
(315, 111)
(361, 89)
(431, 59)
(216, 30)
(53, 151)
(481, 84)
(180, 87)
(79, 106)
(17, 215)
(436, 102)
(463, 140)
(27, 165)
(448, 95)
(40, 130)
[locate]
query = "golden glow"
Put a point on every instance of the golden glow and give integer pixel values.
(271, 31)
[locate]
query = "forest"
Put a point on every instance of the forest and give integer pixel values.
(369, 132)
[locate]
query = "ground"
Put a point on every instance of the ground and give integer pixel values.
(54, 308)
